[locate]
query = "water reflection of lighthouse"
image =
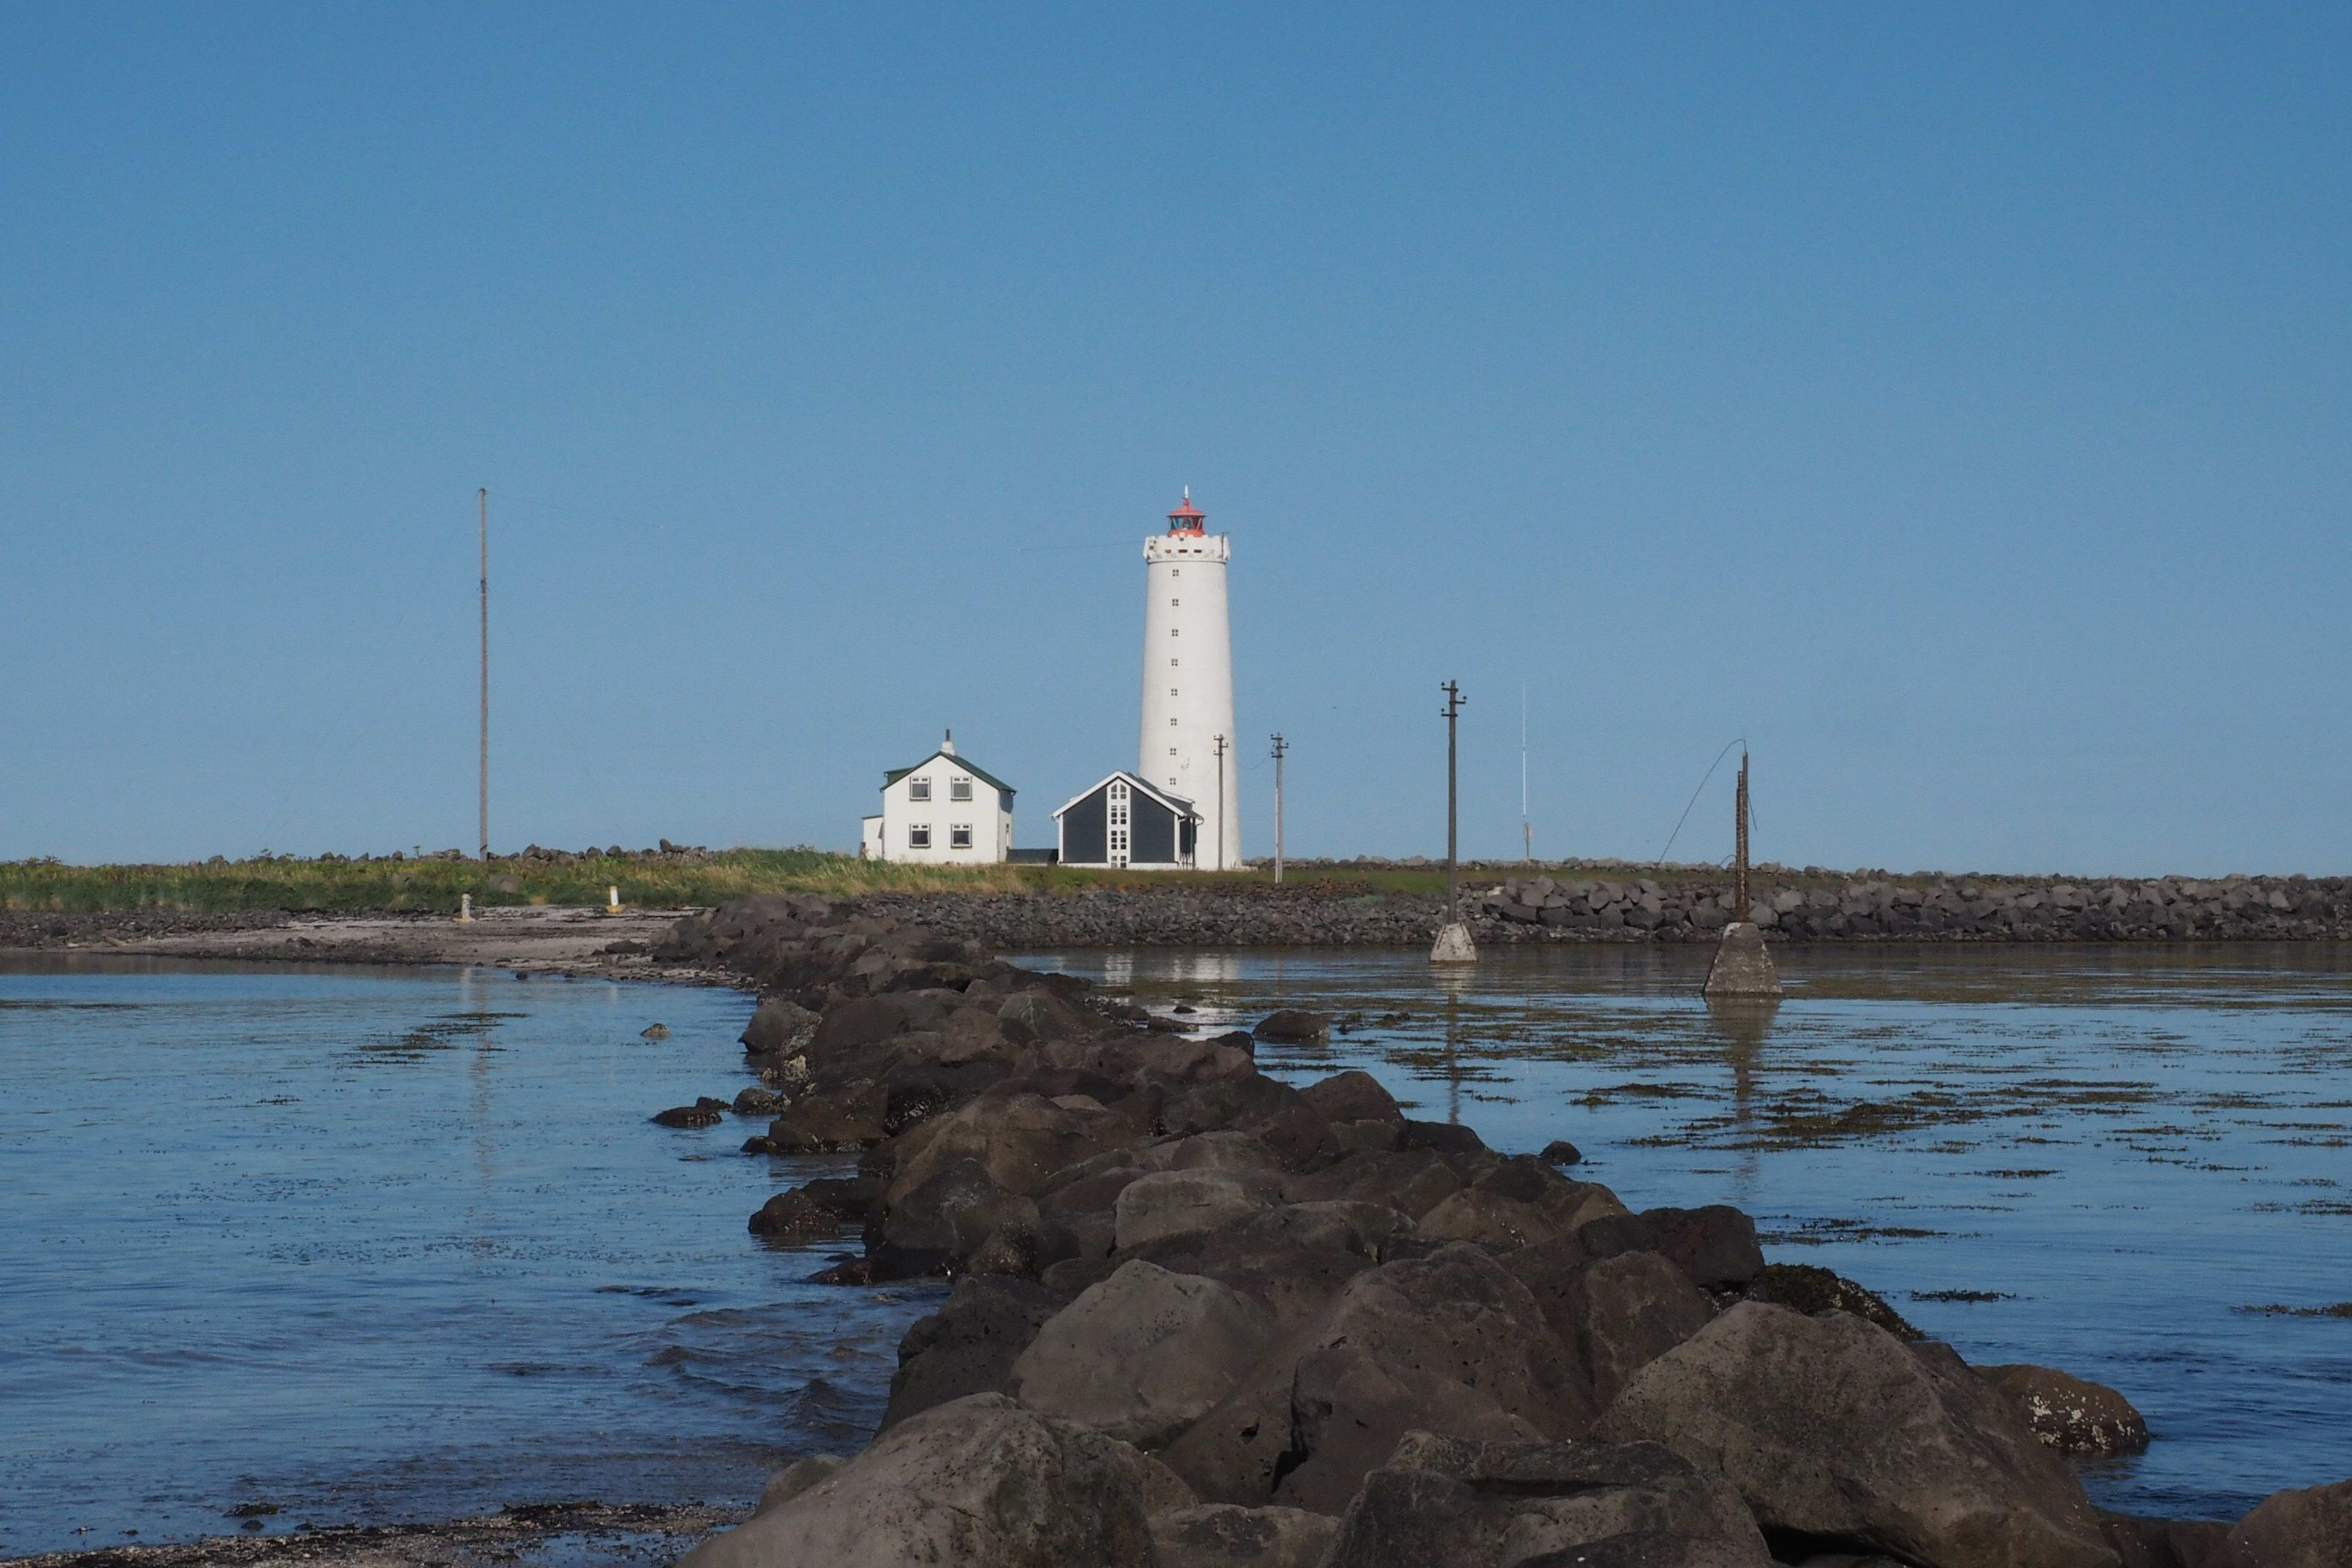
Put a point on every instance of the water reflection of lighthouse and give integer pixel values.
(1187, 745)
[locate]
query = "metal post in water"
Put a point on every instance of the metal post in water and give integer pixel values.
(1453, 944)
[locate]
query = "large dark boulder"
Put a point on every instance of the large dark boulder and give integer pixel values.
(1624, 1312)
(1022, 1141)
(1143, 1355)
(2068, 1414)
(1291, 1027)
(2166, 1542)
(1840, 1438)
(1352, 1096)
(953, 1212)
(1171, 1203)
(1438, 1502)
(970, 1345)
(2308, 1529)
(1715, 1246)
(1219, 1535)
(850, 1028)
(1410, 1184)
(979, 1482)
(1487, 1218)
(1349, 1408)
(779, 1027)
(1803, 1288)
(1445, 1341)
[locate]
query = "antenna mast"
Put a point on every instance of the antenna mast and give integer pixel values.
(485, 498)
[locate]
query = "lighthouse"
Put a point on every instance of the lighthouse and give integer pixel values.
(1188, 745)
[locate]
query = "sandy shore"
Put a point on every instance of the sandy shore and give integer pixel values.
(539, 940)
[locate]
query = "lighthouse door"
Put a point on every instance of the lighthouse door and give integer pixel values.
(1118, 824)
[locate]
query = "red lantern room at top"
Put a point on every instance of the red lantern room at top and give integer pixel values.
(1187, 518)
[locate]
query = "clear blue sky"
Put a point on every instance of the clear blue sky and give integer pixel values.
(1952, 400)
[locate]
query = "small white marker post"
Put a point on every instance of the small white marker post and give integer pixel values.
(465, 907)
(612, 899)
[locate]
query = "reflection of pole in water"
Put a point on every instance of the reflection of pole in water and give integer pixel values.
(1453, 1057)
(1742, 1024)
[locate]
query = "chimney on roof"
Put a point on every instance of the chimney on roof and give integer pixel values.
(948, 745)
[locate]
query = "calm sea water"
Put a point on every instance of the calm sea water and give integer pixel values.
(376, 1246)
(373, 1245)
(2125, 1148)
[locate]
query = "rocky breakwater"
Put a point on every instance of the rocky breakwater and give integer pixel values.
(1819, 907)
(1201, 1317)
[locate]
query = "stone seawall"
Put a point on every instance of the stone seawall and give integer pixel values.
(1203, 1317)
(1791, 907)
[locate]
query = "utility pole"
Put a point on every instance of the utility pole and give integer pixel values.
(1453, 690)
(485, 498)
(1739, 876)
(1453, 945)
(1280, 746)
(1219, 742)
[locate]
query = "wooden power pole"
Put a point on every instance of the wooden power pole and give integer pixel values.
(1453, 944)
(1219, 743)
(1739, 876)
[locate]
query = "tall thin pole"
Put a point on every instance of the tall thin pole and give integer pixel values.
(485, 498)
(1526, 828)
(1219, 741)
(1280, 746)
(1454, 700)
(1739, 878)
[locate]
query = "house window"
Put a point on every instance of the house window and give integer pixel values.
(1172, 663)
(960, 835)
(1173, 603)
(1171, 778)
(918, 789)
(1171, 721)
(1175, 631)
(958, 789)
(1175, 570)
(919, 836)
(1118, 824)
(1173, 692)
(1171, 751)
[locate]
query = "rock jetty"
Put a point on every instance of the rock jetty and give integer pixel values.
(1205, 1319)
(1635, 905)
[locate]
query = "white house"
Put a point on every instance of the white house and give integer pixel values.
(943, 811)
(1129, 824)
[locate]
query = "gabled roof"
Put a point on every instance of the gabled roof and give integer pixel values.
(1175, 802)
(892, 775)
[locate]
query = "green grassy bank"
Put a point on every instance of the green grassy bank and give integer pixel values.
(435, 883)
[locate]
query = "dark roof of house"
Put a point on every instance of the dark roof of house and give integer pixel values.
(893, 775)
(1175, 802)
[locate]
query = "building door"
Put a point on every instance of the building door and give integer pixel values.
(1119, 823)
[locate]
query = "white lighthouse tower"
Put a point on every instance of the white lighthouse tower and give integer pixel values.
(1188, 681)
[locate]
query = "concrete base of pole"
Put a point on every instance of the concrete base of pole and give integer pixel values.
(1742, 967)
(1453, 946)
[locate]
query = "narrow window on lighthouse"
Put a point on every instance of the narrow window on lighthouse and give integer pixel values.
(1171, 723)
(1172, 664)
(1173, 603)
(1175, 631)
